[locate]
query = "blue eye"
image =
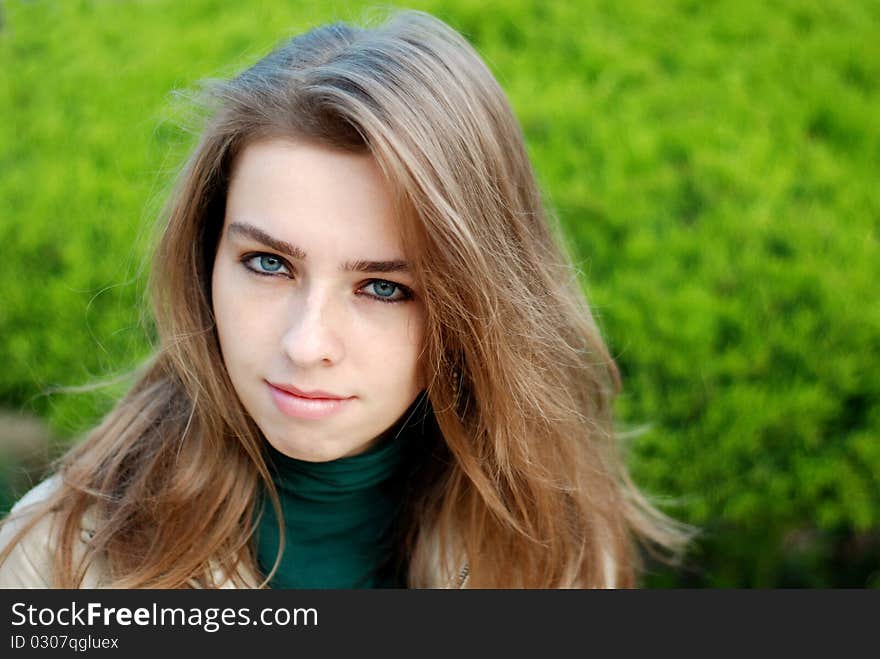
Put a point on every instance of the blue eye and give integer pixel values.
(268, 264)
(385, 289)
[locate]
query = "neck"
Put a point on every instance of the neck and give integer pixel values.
(341, 517)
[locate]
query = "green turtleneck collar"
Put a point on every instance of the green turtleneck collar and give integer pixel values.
(340, 516)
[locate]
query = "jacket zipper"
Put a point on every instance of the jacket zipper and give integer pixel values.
(462, 576)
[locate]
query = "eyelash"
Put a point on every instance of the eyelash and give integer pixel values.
(407, 293)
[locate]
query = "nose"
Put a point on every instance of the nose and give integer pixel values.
(313, 337)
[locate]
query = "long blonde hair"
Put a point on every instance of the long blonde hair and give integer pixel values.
(527, 487)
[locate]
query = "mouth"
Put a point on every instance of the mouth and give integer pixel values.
(316, 394)
(306, 407)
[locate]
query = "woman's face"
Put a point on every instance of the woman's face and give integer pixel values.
(311, 292)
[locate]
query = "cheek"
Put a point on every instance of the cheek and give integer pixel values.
(223, 297)
(395, 351)
(241, 320)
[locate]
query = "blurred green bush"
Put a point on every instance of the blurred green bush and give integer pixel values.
(716, 167)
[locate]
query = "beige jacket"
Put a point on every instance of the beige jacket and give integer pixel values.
(30, 563)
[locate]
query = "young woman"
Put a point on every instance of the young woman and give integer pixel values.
(376, 365)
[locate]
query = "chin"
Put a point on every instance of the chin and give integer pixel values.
(308, 454)
(317, 451)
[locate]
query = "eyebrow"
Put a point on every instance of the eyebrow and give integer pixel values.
(289, 249)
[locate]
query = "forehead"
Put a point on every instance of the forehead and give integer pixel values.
(315, 196)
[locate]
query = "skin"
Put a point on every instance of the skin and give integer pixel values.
(307, 323)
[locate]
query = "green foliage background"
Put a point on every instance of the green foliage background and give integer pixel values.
(715, 164)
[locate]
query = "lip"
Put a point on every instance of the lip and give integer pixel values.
(304, 407)
(316, 393)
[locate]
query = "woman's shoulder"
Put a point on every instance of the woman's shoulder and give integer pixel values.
(30, 562)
